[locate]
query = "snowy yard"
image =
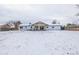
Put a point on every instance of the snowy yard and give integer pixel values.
(39, 43)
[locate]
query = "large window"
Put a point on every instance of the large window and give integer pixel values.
(36, 26)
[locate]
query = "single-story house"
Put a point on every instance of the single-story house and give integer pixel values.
(10, 26)
(6, 27)
(72, 27)
(40, 26)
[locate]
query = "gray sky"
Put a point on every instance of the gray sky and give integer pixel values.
(31, 12)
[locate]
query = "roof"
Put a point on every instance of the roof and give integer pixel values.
(55, 25)
(44, 21)
(40, 22)
(23, 24)
(47, 21)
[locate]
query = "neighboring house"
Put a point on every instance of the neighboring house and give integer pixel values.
(40, 26)
(1, 26)
(7, 27)
(73, 27)
(10, 26)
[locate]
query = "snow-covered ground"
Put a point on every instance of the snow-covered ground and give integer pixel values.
(39, 43)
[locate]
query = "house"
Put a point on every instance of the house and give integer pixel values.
(72, 27)
(7, 27)
(10, 26)
(40, 25)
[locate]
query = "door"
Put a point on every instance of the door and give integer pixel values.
(41, 27)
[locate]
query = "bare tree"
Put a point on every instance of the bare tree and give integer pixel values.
(17, 23)
(77, 6)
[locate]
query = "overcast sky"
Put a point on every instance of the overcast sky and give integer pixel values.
(63, 13)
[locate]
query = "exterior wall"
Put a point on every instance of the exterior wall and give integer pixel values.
(24, 28)
(72, 29)
(54, 27)
(57, 27)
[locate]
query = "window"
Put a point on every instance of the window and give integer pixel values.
(52, 26)
(21, 27)
(25, 26)
(36, 26)
(31, 26)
